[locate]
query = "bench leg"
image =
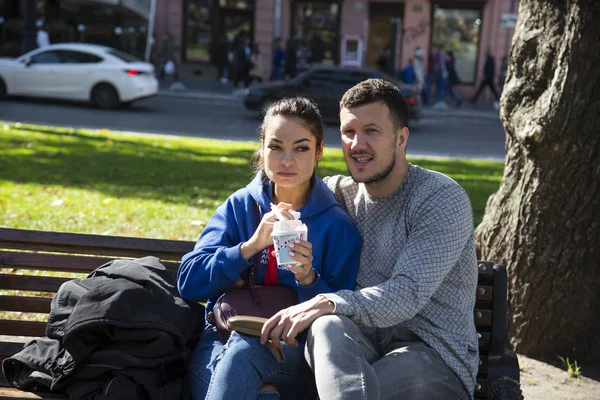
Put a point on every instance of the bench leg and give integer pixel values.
(505, 388)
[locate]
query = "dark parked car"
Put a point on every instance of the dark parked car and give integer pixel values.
(326, 85)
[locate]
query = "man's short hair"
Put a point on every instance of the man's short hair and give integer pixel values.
(375, 91)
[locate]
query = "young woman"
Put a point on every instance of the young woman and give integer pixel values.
(291, 138)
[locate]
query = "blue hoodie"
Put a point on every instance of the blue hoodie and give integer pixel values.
(216, 263)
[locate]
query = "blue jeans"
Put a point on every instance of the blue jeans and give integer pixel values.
(454, 93)
(238, 369)
(427, 89)
(372, 364)
(440, 84)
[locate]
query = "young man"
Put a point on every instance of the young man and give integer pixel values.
(42, 38)
(407, 330)
(489, 72)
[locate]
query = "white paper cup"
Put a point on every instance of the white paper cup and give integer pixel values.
(281, 241)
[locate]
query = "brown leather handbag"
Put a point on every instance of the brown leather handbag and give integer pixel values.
(254, 301)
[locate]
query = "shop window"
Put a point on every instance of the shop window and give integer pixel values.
(210, 25)
(458, 30)
(316, 26)
(198, 30)
(11, 28)
(239, 4)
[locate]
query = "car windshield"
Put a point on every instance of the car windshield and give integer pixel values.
(300, 77)
(121, 55)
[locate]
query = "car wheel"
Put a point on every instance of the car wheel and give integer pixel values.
(105, 96)
(2, 89)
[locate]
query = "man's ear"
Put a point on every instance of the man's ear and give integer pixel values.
(403, 136)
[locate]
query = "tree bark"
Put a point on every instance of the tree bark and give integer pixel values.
(544, 221)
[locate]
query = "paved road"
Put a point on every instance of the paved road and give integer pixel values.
(226, 119)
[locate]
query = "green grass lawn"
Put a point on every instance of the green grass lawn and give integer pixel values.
(147, 185)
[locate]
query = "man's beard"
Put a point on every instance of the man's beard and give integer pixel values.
(381, 175)
(378, 176)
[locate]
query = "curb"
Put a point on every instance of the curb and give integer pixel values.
(461, 114)
(198, 95)
(426, 113)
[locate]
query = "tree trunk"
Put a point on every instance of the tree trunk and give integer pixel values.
(544, 221)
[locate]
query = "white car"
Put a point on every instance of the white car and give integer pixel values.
(80, 72)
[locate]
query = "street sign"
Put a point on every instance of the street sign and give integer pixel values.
(508, 20)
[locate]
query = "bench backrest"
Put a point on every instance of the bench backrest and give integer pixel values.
(25, 251)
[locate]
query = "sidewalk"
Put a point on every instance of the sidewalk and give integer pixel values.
(479, 111)
(208, 88)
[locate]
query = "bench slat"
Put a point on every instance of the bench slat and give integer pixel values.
(59, 262)
(81, 243)
(483, 318)
(25, 304)
(31, 283)
(22, 328)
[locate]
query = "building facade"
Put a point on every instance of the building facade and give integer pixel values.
(323, 28)
(346, 32)
(116, 23)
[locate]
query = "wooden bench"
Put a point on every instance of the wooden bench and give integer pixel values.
(25, 250)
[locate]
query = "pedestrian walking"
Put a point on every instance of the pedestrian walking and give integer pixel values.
(407, 74)
(220, 57)
(432, 63)
(242, 61)
(489, 72)
(440, 76)
(383, 60)
(291, 58)
(453, 78)
(278, 60)
(42, 38)
(166, 57)
(256, 69)
(419, 68)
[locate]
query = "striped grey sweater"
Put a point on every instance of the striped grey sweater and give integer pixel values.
(418, 266)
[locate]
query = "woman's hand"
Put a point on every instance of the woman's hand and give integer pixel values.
(262, 236)
(301, 251)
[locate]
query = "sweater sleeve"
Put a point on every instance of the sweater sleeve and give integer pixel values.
(440, 231)
(216, 263)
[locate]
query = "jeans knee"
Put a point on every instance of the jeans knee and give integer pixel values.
(328, 327)
(330, 324)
